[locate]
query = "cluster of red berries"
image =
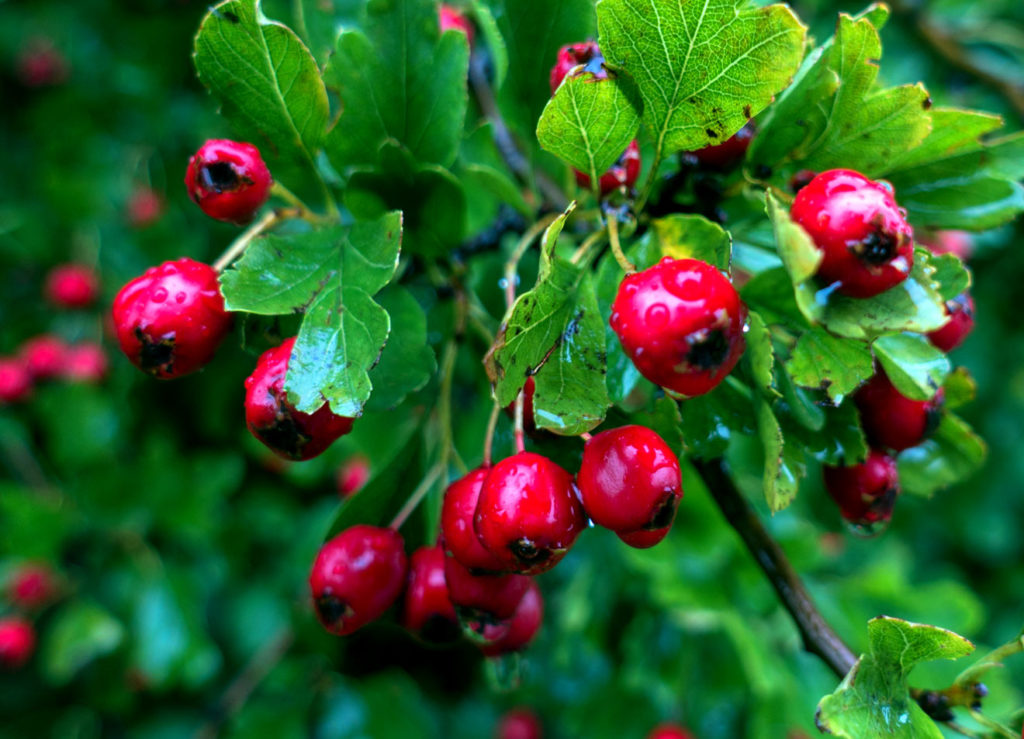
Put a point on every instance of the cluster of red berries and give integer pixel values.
(867, 248)
(29, 589)
(500, 526)
(47, 356)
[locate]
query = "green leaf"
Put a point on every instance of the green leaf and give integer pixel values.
(836, 365)
(784, 464)
(797, 250)
(318, 21)
(266, 81)
(951, 455)
(914, 366)
(951, 274)
(761, 355)
(953, 131)
(399, 81)
(495, 41)
(834, 116)
(960, 389)
(407, 362)
(589, 122)
(838, 441)
(711, 420)
(80, 633)
(874, 698)
(692, 237)
(703, 67)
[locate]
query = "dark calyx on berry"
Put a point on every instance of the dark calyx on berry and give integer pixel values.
(157, 354)
(588, 54)
(222, 177)
(878, 247)
(708, 349)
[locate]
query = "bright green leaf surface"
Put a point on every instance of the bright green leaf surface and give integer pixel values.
(407, 362)
(784, 464)
(836, 365)
(693, 237)
(914, 366)
(760, 354)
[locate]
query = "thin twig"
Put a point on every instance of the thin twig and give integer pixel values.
(418, 495)
(519, 427)
(818, 636)
(239, 245)
(613, 236)
(492, 424)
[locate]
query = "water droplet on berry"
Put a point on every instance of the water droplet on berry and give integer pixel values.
(657, 316)
(180, 297)
(159, 295)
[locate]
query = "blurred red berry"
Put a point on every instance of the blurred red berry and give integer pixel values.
(85, 362)
(17, 642)
(352, 475)
(72, 286)
(145, 206)
(40, 63)
(15, 381)
(44, 356)
(669, 731)
(519, 723)
(451, 18)
(31, 586)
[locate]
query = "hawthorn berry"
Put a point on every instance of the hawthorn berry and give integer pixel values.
(40, 63)
(352, 475)
(452, 18)
(519, 723)
(145, 206)
(228, 180)
(17, 642)
(72, 286)
(522, 627)
(669, 731)
(727, 154)
(630, 481)
(890, 419)
(357, 576)
(957, 327)
(681, 322)
(31, 586)
(274, 421)
(86, 362)
(15, 381)
(428, 611)
(44, 356)
(483, 600)
(529, 390)
(170, 321)
(458, 534)
(623, 173)
(866, 242)
(528, 514)
(587, 54)
(865, 493)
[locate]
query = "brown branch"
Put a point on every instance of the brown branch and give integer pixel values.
(818, 637)
(946, 46)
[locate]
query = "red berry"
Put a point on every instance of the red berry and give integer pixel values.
(483, 600)
(669, 731)
(519, 723)
(643, 539)
(630, 481)
(960, 243)
(40, 64)
(228, 180)
(72, 286)
(529, 389)
(17, 642)
(31, 586)
(15, 381)
(170, 321)
(357, 576)
(681, 322)
(428, 611)
(86, 362)
(587, 53)
(274, 421)
(452, 19)
(522, 628)
(623, 173)
(352, 475)
(865, 493)
(961, 322)
(801, 179)
(727, 154)
(458, 534)
(867, 244)
(890, 419)
(44, 356)
(528, 514)
(145, 206)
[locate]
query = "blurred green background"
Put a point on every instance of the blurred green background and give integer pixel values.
(182, 548)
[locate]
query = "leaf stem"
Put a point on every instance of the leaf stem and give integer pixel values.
(990, 660)
(492, 424)
(519, 434)
(426, 484)
(303, 211)
(613, 236)
(587, 246)
(239, 245)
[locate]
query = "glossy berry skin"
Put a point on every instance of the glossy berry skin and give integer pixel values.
(483, 600)
(960, 324)
(458, 533)
(643, 538)
(450, 18)
(522, 627)
(228, 180)
(427, 610)
(15, 381)
(170, 321)
(17, 642)
(528, 514)
(44, 356)
(866, 242)
(727, 154)
(890, 419)
(669, 731)
(529, 390)
(519, 723)
(587, 53)
(865, 493)
(357, 576)
(352, 475)
(289, 433)
(86, 362)
(623, 173)
(72, 286)
(31, 586)
(629, 480)
(681, 322)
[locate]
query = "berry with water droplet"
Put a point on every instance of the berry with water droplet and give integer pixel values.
(957, 327)
(483, 601)
(890, 419)
(866, 492)
(521, 628)
(458, 534)
(228, 180)
(681, 322)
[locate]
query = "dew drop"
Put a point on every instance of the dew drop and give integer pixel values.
(159, 295)
(180, 297)
(656, 316)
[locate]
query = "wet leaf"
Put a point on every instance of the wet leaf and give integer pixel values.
(693, 237)
(827, 362)
(784, 463)
(952, 454)
(914, 366)
(407, 362)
